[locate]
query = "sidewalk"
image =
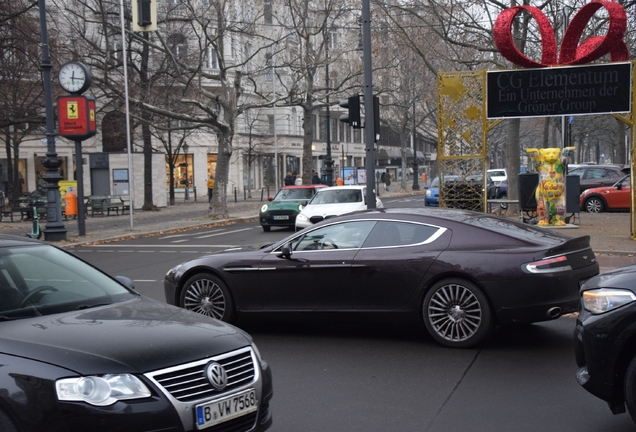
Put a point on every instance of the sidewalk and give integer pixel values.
(609, 232)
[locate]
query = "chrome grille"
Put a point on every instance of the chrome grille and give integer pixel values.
(282, 212)
(188, 382)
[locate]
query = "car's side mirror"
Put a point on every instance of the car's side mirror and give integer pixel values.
(304, 203)
(270, 198)
(127, 282)
(619, 186)
(286, 251)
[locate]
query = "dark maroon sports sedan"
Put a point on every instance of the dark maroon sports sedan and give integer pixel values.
(458, 273)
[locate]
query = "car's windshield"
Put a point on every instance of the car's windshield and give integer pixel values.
(335, 196)
(294, 194)
(41, 280)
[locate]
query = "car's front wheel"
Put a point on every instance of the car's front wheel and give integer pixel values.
(504, 206)
(594, 205)
(457, 313)
(207, 294)
(630, 389)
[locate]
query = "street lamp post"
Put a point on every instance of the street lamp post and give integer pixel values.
(328, 159)
(416, 168)
(185, 165)
(55, 229)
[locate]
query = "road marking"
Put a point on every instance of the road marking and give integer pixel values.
(180, 241)
(161, 246)
(228, 232)
(189, 235)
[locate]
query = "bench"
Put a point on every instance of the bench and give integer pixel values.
(24, 206)
(100, 203)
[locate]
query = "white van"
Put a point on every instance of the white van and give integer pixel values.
(497, 175)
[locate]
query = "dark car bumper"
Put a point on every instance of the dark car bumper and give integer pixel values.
(274, 220)
(539, 297)
(601, 343)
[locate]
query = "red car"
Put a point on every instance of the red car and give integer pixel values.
(606, 198)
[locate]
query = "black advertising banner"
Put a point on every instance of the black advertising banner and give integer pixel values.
(556, 91)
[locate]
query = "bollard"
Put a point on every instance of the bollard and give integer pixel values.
(244, 193)
(235, 195)
(262, 190)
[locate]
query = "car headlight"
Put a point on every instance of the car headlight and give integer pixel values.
(301, 217)
(300, 207)
(264, 208)
(101, 390)
(429, 193)
(598, 301)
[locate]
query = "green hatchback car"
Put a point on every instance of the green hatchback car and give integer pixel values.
(281, 211)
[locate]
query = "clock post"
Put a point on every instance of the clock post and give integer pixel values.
(77, 121)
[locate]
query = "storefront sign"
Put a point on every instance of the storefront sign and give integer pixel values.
(591, 89)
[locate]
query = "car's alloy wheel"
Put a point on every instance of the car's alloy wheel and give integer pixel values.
(206, 294)
(594, 205)
(630, 389)
(457, 313)
(504, 206)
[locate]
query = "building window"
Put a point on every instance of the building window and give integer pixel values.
(323, 128)
(179, 46)
(212, 58)
(267, 12)
(333, 38)
(271, 124)
(357, 136)
(348, 129)
(334, 129)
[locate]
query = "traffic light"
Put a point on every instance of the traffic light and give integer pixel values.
(353, 117)
(144, 15)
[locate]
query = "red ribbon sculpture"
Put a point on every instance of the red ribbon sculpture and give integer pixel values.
(571, 52)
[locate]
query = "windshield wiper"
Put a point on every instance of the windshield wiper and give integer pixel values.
(6, 318)
(90, 306)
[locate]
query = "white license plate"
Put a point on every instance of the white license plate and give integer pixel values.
(221, 410)
(281, 217)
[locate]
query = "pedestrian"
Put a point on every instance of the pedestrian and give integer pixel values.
(299, 180)
(289, 179)
(315, 179)
(339, 182)
(387, 180)
(210, 187)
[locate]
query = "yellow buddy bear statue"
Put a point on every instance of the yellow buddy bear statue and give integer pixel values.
(550, 191)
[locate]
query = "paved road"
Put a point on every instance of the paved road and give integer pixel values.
(330, 377)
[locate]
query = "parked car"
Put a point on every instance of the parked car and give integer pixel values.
(592, 176)
(615, 197)
(81, 351)
(461, 193)
(281, 211)
(605, 339)
(497, 175)
(456, 272)
(334, 201)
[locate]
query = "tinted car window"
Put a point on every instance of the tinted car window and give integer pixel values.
(389, 233)
(294, 194)
(62, 280)
(337, 196)
(348, 235)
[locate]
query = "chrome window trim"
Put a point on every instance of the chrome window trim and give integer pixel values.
(435, 236)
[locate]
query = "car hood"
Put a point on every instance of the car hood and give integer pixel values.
(621, 278)
(332, 209)
(286, 205)
(135, 336)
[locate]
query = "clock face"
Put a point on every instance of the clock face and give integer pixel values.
(75, 77)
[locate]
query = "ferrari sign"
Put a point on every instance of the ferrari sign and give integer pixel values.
(76, 116)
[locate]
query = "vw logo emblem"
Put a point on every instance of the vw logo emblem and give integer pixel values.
(216, 375)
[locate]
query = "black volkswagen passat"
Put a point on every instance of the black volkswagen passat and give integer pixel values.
(456, 272)
(605, 339)
(81, 351)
